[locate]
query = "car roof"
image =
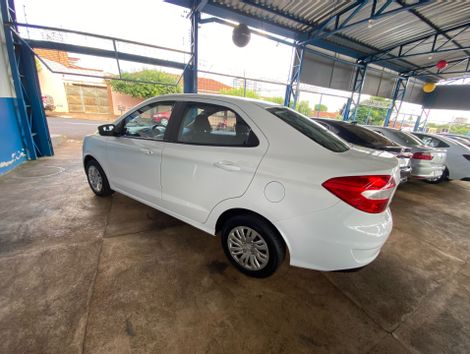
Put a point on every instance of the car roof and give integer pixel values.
(334, 121)
(226, 98)
(455, 134)
(385, 128)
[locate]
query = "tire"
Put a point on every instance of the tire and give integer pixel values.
(444, 178)
(97, 179)
(259, 257)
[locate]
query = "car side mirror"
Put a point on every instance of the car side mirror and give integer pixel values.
(107, 129)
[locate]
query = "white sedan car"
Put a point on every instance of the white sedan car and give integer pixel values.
(458, 154)
(264, 177)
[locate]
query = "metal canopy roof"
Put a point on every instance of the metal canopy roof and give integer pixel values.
(407, 36)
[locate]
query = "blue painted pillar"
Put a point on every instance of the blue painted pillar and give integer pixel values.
(420, 125)
(349, 112)
(292, 88)
(190, 72)
(24, 134)
(35, 108)
(397, 99)
(12, 147)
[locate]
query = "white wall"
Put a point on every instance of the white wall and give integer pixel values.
(53, 85)
(6, 88)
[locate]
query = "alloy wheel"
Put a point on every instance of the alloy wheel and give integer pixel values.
(94, 176)
(248, 248)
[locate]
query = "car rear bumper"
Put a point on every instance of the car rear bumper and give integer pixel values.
(427, 171)
(337, 238)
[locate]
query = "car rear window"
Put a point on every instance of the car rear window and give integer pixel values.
(406, 139)
(360, 136)
(309, 128)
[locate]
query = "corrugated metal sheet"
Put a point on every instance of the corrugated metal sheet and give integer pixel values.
(308, 12)
(405, 26)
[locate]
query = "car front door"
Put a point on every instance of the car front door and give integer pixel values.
(213, 157)
(135, 154)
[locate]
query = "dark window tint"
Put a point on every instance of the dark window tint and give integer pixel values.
(206, 124)
(402, 138)
(359, 135)
(309, 128)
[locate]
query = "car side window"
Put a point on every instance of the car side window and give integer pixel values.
(430, 141)
(441, 144)
(208, 124)
(148, 122)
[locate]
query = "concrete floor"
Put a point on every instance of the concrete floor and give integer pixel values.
(84, 274)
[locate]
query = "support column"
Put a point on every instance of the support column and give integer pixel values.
(12, 143)
(398, 96)
(352, 104)
(33, 100)
(292, 88)
(190, 72)
(420, 125)
(29, 107)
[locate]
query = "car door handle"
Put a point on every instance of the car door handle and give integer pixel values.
(227, 165)
(147, 151)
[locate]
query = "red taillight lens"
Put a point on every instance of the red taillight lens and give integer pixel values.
(422, 156)
(367, 193)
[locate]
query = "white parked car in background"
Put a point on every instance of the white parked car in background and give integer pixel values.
(427, 163)
(264, 177)
(458, 155)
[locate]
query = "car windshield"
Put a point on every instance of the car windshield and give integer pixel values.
(359, 135)
(405, 138)
(309, 128)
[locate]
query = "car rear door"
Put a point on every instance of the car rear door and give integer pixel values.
(213, 156)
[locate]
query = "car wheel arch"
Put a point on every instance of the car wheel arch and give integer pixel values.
(227, 214)
(88, 158)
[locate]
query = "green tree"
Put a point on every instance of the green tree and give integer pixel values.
(373, 110)
(304, 108)
(278, 100)
(146, 90)
(451, 127)
(240, 91)
(320, 108)
(460, 129)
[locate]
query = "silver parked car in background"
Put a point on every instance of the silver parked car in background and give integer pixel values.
(361, 136)
(458, 155)
(426, 163)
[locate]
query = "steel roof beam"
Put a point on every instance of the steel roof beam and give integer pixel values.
(419, 54)
(278, 12)
(431, 24)
(321, 30)
(378, 56)
(72, 48)
(447, 71)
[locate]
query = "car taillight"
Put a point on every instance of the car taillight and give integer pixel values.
(367, 193)
(405, 155)
(467, 157)
(422, 156)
